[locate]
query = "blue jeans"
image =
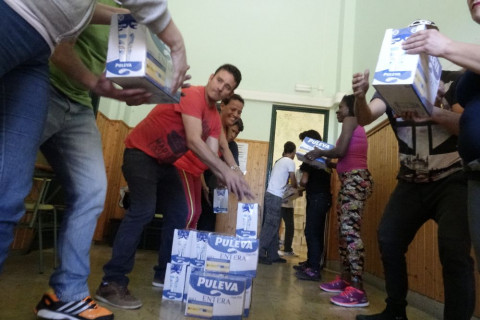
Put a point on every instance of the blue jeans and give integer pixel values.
(316, 215)
(73, 147)
(23, 109)
(271, 223)
(409, 207)
(149, 183)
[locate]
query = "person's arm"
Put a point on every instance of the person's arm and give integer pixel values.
(365, 112)
(208, 155)
(433, 43)
(293, 179)
(226, 153)
(66, 59)
(447, 119)
(304, 179)
(339, 151)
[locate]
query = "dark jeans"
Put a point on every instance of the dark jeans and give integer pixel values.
(318, 205)
(271, 223)
(148, 183)
(287, 216)
(409, 207)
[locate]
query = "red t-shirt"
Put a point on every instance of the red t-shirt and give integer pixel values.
(161, 134)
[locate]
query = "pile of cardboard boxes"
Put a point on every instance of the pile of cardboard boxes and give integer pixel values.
(212, 272)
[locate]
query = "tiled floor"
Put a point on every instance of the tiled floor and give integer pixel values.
(277, 294)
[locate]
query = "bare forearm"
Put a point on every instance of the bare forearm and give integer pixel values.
(448, 119)
(466, 55)
(363, 112)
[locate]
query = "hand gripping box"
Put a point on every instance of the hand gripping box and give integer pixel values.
(137, 58)
(307, 145)
(174, 283)
(214, 296)
(234, 255)
(247, 220)
(408, 82)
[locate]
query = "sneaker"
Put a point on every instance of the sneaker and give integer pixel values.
(52, 308)
(117, 296)
(157, 282)
(350, 297)
(287, 254)
(384, 315)
(301, 266)
(337, 285)
(279, 260)
(308, 274)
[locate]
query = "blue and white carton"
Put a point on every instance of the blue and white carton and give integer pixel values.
(233, 255)
(214, 296)
(198, 247)
(137, 58)
(174, 283)
(220, 200)
(307, 145)
(408, 82)
(181, 246)
(247, 220)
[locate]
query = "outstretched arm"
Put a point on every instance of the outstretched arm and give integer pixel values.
(66, 58)
(433, 43)
(207, 154)
(365, 112)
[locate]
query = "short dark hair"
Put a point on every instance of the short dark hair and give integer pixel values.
(350, 102)
(289, 147)
(239, 123)
(311, 134)
(237, 75)
(233, 97)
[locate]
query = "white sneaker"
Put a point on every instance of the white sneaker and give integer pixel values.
(287, 254)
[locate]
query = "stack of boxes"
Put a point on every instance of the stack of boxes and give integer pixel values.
(213, 272)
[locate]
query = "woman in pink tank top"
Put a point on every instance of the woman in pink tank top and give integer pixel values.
(356, 186)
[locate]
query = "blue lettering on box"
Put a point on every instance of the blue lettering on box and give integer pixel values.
(123, 68)
(232, 244)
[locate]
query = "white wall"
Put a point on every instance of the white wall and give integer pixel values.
(279, 43)
(275, 43)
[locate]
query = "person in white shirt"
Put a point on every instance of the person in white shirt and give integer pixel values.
(283, 171)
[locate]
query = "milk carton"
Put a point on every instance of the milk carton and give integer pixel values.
(409, 83)
(181, 246)
(234, 255)
(247, 220)
(215, 296)
(248, 296)
(198, 247)
(190, 269)
(220, 200)
(307, 145)
(174, 283)
(136, 58)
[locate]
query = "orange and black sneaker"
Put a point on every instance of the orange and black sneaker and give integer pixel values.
(50, 308)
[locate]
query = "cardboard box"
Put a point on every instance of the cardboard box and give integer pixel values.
(174, 283)
(409, 83)
(137, 58)
(247, 220)
(214, 296)
(198, 248)
(181, 246)
(307, 145)
(234, 255)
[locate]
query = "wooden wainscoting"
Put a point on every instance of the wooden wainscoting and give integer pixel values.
(423, 263)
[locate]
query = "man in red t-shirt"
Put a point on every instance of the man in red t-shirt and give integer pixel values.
(172, 136)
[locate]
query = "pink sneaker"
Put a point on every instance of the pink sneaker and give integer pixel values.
(350, 297)
(337, 285)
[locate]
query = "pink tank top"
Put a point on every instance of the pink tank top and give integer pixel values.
(356, 156)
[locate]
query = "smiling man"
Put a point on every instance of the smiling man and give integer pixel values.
(167, 135)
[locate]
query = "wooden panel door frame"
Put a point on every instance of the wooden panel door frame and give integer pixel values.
(273, 127)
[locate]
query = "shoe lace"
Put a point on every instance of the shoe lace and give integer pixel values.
(348, 292)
